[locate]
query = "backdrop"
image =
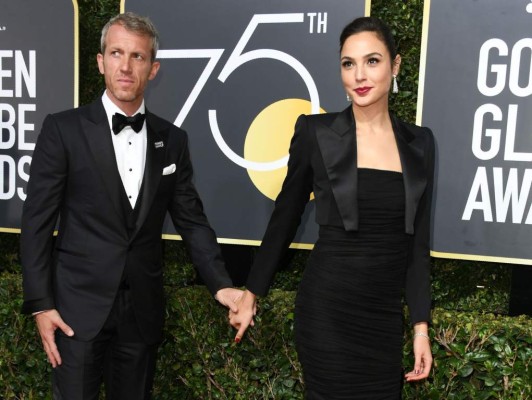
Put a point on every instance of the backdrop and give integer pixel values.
(236, 75)
(475, 93)
(38, 75)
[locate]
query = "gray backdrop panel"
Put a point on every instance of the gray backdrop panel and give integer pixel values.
(46, 28)
(457, 31)
(237, 210)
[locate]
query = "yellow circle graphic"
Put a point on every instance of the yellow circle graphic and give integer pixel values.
(268, 139)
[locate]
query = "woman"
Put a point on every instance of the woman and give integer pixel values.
(372, 177)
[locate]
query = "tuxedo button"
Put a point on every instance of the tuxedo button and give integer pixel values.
(131, 169)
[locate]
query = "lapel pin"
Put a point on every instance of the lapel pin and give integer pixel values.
(159, 144)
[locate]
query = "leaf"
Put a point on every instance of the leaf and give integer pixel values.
(479, 356)
(465, 371)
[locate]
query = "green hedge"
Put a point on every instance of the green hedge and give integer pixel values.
(477, 356)
(457, 285)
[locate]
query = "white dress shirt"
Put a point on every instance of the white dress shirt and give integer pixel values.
(130, 150)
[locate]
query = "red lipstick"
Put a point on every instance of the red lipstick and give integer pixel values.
(362, 90)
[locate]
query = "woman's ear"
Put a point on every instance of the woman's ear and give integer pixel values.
(396, 65)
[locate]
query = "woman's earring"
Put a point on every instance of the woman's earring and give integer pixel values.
(395, 88)
(348, 98)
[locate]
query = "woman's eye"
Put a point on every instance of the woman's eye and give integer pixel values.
(347, 64)
(373, 60)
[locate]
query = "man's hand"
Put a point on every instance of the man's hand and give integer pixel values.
(47, 322)
(241, 320)
(229, 297)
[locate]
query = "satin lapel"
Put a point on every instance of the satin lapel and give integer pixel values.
(97, 132)
(338, 149)
(155, 155)
(411, 154)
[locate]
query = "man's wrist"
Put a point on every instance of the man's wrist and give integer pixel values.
(218, 291)
(38, 312)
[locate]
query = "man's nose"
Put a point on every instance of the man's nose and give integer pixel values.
(125, 64)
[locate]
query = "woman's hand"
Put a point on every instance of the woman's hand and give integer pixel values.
(241, 320)
(422, 354)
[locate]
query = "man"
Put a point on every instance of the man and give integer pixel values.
(97, 296)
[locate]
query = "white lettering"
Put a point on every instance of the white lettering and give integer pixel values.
(510, 195)
(23, 127)
(24, 160)
(5, 73)
(7, 168)
(480, 185)
(7, 126)
(23, 73)
(529, 218)
(509, 153)
(503, 197)
(498, 69)
(322, 23)
(495, 134)
(311, 22)
(517, 50)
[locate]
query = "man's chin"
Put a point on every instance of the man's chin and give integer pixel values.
(125, 97)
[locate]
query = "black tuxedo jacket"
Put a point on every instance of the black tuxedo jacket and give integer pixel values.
(74, 176)
(323, 160)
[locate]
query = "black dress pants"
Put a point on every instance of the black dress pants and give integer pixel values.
(117, 356)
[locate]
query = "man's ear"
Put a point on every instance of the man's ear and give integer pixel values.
(99, 60)
(154, 69)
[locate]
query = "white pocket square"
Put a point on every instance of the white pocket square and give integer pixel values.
(169, 170)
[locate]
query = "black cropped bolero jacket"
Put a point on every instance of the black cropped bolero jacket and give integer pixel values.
(323, 160)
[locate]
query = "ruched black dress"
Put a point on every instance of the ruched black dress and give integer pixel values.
(348, 308)
(373, 243)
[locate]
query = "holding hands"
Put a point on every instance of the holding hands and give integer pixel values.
(229, 297)
(242, 318)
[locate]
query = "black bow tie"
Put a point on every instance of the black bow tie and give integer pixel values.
(120, 121)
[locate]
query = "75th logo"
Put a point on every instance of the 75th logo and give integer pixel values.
(239, 56)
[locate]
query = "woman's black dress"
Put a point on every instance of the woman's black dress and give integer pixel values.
(349, 320)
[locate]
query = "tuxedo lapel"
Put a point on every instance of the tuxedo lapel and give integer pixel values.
(337, 142)
(155, 154)
(96, 130)
(411, 155)
(338, 149)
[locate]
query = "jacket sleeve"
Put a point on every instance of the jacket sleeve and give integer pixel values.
(289, 206)
(186, 211)
(45, 192)
(418, 293)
